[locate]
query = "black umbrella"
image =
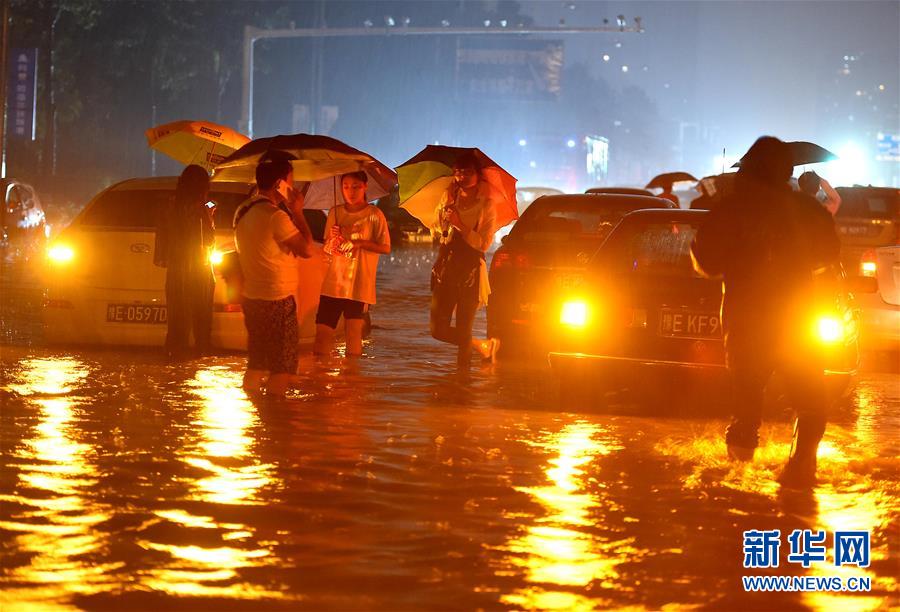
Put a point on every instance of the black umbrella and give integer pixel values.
(803, 153)
(663, 181)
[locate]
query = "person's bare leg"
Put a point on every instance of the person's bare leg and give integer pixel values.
(482, 346)
(278, 384)
(254, 380)
(324, 340)
(353, 329)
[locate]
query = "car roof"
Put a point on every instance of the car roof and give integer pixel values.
(169, 182)
(664, 215)
(603, 200)
(619, 190)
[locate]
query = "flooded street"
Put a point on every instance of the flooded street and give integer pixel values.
(396, 482)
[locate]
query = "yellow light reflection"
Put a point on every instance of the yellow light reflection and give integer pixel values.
(57, 528)
(226, 415)
(233, 475)
(556, 550)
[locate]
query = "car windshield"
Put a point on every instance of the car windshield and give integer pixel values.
(869, 204)
(563, 221)
(659, 249)
(138, 208)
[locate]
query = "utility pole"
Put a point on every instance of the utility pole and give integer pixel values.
(253, 34)
(4, 46)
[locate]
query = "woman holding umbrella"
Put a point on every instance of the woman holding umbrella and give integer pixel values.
(466, 221)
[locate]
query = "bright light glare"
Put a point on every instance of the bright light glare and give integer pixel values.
(869, 268)
(216, 257)
(61, 253)
(522, 142)
(574, 313)
(850, 167)
(830, 329)
(570, 143)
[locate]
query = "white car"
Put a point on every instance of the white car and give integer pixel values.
(102, 285)
(524, 197)
(881, 310)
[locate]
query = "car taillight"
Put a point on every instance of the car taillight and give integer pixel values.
(574, 313)
(509, 260)
(830, 329)
(868, 265)
(60, 254)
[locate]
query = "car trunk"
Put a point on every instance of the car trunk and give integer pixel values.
(667, 319)
(530, 273)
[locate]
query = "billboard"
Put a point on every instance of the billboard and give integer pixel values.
(525, 70)
(888, 147)
(21, 94)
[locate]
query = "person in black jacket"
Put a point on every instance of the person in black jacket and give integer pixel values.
(185, 235)
(776, 251)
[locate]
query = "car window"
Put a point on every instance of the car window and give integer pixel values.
(138, 208)
(660, 249)
(562, 223)
(868, 204)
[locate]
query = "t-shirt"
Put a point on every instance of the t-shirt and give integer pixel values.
(353, 277)
(270, 270)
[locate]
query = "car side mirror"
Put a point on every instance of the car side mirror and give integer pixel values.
(861, 284)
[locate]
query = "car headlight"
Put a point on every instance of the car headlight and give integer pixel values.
(60, 253)
(216, 257)
(830, 329)
(574, 313)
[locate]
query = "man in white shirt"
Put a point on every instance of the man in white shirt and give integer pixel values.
(270, 233)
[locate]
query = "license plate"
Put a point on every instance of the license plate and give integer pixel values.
(135, 313)
(687, 324)
(569, 281)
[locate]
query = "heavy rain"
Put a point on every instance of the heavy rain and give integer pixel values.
(462, 304)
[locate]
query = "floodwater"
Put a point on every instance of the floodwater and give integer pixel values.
(396, 482)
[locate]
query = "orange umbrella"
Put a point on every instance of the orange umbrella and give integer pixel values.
(195, 142)
(426, 176)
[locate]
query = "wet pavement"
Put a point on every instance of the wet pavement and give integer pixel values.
(396, 482)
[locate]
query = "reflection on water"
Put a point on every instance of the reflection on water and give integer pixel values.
(229, 474)
(390, 482)
(559, 549)
(225, 423)
(53, 520)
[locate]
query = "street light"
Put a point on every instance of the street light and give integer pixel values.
(620, 21)
(389, 21)
(368, 23)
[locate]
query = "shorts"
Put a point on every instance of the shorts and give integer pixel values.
(331, 309)
(273, 336)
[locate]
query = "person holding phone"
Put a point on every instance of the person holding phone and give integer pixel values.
(270, 233)
(185, 235)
